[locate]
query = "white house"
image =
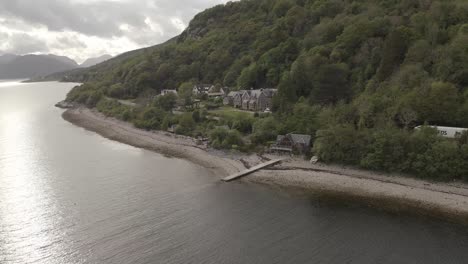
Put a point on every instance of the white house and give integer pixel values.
(166, 91)
(448, 132)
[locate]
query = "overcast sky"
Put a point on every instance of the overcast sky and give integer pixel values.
(81, 29)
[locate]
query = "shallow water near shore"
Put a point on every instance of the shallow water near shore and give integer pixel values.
(68, 195)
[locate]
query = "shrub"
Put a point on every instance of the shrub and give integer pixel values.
(441, 161)
(341, 144)
(387, 151)
(264, 130)
(222, 138)
(150, 118)
(186, 125)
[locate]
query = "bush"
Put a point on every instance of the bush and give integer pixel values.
(243, 124)
(264, 130)
(441, 161)
(93, 99)
(186, 125)
(222, 138)
(166, 102)
(150, 118)
(387, 151)
(341, 144)
(115, 109)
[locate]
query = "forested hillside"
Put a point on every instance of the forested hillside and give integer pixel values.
(362, 73)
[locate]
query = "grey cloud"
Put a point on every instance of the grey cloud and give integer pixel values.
(3, 37)
(24, 43)
(82, 28)
(66, 42)
(103, 18)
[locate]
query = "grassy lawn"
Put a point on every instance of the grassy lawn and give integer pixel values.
(124, 102)
(230, 112)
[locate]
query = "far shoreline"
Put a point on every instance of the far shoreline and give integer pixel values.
(391, 193)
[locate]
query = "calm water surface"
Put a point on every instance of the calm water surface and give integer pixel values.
(70, 196)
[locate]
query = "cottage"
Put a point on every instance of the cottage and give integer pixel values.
(296, 143)
(202, 89)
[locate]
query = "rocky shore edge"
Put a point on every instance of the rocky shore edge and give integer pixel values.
(447, 201)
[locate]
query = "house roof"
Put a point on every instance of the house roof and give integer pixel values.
(256, 93)
(269, 92)
(203, 87)
(232, 94)
(299, 138)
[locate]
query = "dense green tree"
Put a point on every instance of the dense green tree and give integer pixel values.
(186, 124)
(331, 84)
(396, 45)
(166, 102)
(437, 104)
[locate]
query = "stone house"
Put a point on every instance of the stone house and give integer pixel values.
(252, 100)
(238, 99)
(245, 100)
(292, 143)
(229, 98)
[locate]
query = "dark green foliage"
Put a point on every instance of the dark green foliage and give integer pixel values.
(150, 119)
(394, 52)
(341, 144)
(115, 109)
(166, 102)
(86, 94)
(243, 124)
(186, 125)
(422, 153)
(331, 84)
(265, 130)
(386, 150)
(222, 138)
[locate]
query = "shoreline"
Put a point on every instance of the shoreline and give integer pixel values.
(394, 193)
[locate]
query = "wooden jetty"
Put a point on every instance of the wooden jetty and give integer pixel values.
(251, 170)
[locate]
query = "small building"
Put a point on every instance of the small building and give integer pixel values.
(202, 89)
(292, 143)
(448, 132)
(167, 91)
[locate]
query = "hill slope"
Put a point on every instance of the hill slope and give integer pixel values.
(6, 58)
(255, 43)
(29, 66)
(93, 61)
(357, 74)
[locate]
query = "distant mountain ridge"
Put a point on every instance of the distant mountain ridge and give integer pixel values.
(94, 61)
(5, 58)
(31, 66)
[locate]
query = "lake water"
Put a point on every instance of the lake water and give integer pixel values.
(68, 195)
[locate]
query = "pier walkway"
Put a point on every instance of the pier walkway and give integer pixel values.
(251, 170)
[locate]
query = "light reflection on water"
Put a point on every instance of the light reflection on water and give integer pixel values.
(70, 196)
(27, 210)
